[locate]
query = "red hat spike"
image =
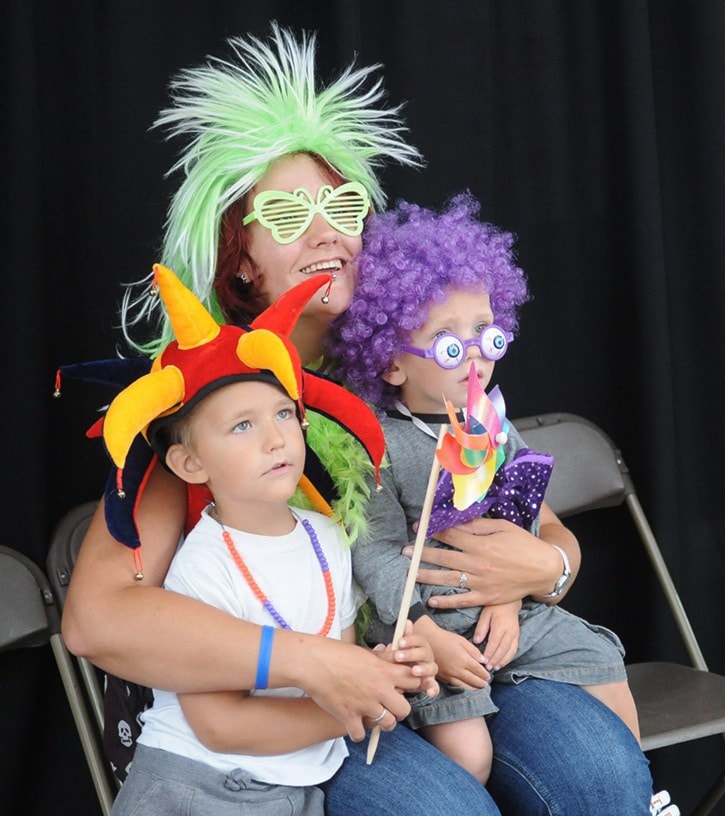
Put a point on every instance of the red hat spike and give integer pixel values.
(282, 315)
(328, 398)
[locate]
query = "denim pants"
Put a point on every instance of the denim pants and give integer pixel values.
(557, 752)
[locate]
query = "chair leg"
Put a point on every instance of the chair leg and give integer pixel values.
(95, 695)
(84, 725)
(713, 796)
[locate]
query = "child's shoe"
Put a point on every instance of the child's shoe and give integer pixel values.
(660, 805)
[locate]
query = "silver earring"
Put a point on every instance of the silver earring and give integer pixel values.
(243, 278)
(326, 297)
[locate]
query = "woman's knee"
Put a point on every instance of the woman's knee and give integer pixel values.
(560, 752)
(618, 697)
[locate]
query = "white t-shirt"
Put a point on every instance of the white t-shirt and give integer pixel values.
(288, 572)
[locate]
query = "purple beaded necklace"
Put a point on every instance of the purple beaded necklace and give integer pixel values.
(257, 590)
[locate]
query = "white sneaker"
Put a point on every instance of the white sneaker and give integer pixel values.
(660, 805)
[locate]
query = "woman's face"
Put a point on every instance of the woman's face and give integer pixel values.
(321, 249)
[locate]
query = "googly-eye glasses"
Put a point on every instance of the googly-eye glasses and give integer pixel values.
(288, 215)
(449, 351)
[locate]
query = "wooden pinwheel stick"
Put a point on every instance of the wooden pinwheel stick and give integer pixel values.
(412, 572)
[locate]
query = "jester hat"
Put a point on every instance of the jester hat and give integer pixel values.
(236, 116)
(206, 356)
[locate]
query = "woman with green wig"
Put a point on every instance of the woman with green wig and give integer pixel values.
(277, 179)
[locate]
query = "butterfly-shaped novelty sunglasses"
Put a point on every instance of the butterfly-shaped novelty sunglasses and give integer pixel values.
(449, 351)
(288, 215)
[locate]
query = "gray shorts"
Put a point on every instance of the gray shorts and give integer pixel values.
(164, 784)
(553, 645)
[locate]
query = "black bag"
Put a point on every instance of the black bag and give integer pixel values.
(124, 703)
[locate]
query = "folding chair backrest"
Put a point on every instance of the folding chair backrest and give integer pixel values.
(28, 615)
(588, 472)
(64, 546)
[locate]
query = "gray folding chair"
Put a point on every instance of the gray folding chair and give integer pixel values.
(676, 703)
(30, 617)
(127, 699)
(62, 554)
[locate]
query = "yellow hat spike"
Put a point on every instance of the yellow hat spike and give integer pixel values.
(264, 349)
(136, 406)
(193, 325)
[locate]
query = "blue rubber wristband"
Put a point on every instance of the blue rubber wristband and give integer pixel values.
(265, 656)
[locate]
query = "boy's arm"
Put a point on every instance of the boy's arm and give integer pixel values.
(235, 723)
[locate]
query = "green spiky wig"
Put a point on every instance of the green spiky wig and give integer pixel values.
(240, 115)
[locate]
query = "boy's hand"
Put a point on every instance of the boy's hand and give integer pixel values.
(459, 662)
(500, 624)
(414, 650)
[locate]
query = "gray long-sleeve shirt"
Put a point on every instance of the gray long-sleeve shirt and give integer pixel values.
(379, 567)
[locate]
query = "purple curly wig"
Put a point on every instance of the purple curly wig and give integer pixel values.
(410, 257)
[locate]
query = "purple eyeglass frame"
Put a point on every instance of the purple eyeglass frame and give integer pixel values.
(493, 343)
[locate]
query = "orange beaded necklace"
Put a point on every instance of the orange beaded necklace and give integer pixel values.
(257, 590)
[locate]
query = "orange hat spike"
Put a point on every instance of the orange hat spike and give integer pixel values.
(193, 325)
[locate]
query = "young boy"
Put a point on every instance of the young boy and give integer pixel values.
(222, 407)
(435, 305)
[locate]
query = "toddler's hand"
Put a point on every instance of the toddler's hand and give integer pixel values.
(459, 662)
(500, 624)
(414, 650)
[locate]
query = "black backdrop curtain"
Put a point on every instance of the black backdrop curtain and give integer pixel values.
(594, 130)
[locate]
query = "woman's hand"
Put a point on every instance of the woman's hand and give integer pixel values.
(502, 562)
(354, 684)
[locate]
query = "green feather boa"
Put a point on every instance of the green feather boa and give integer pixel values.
(348, 465)
(350, 469)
